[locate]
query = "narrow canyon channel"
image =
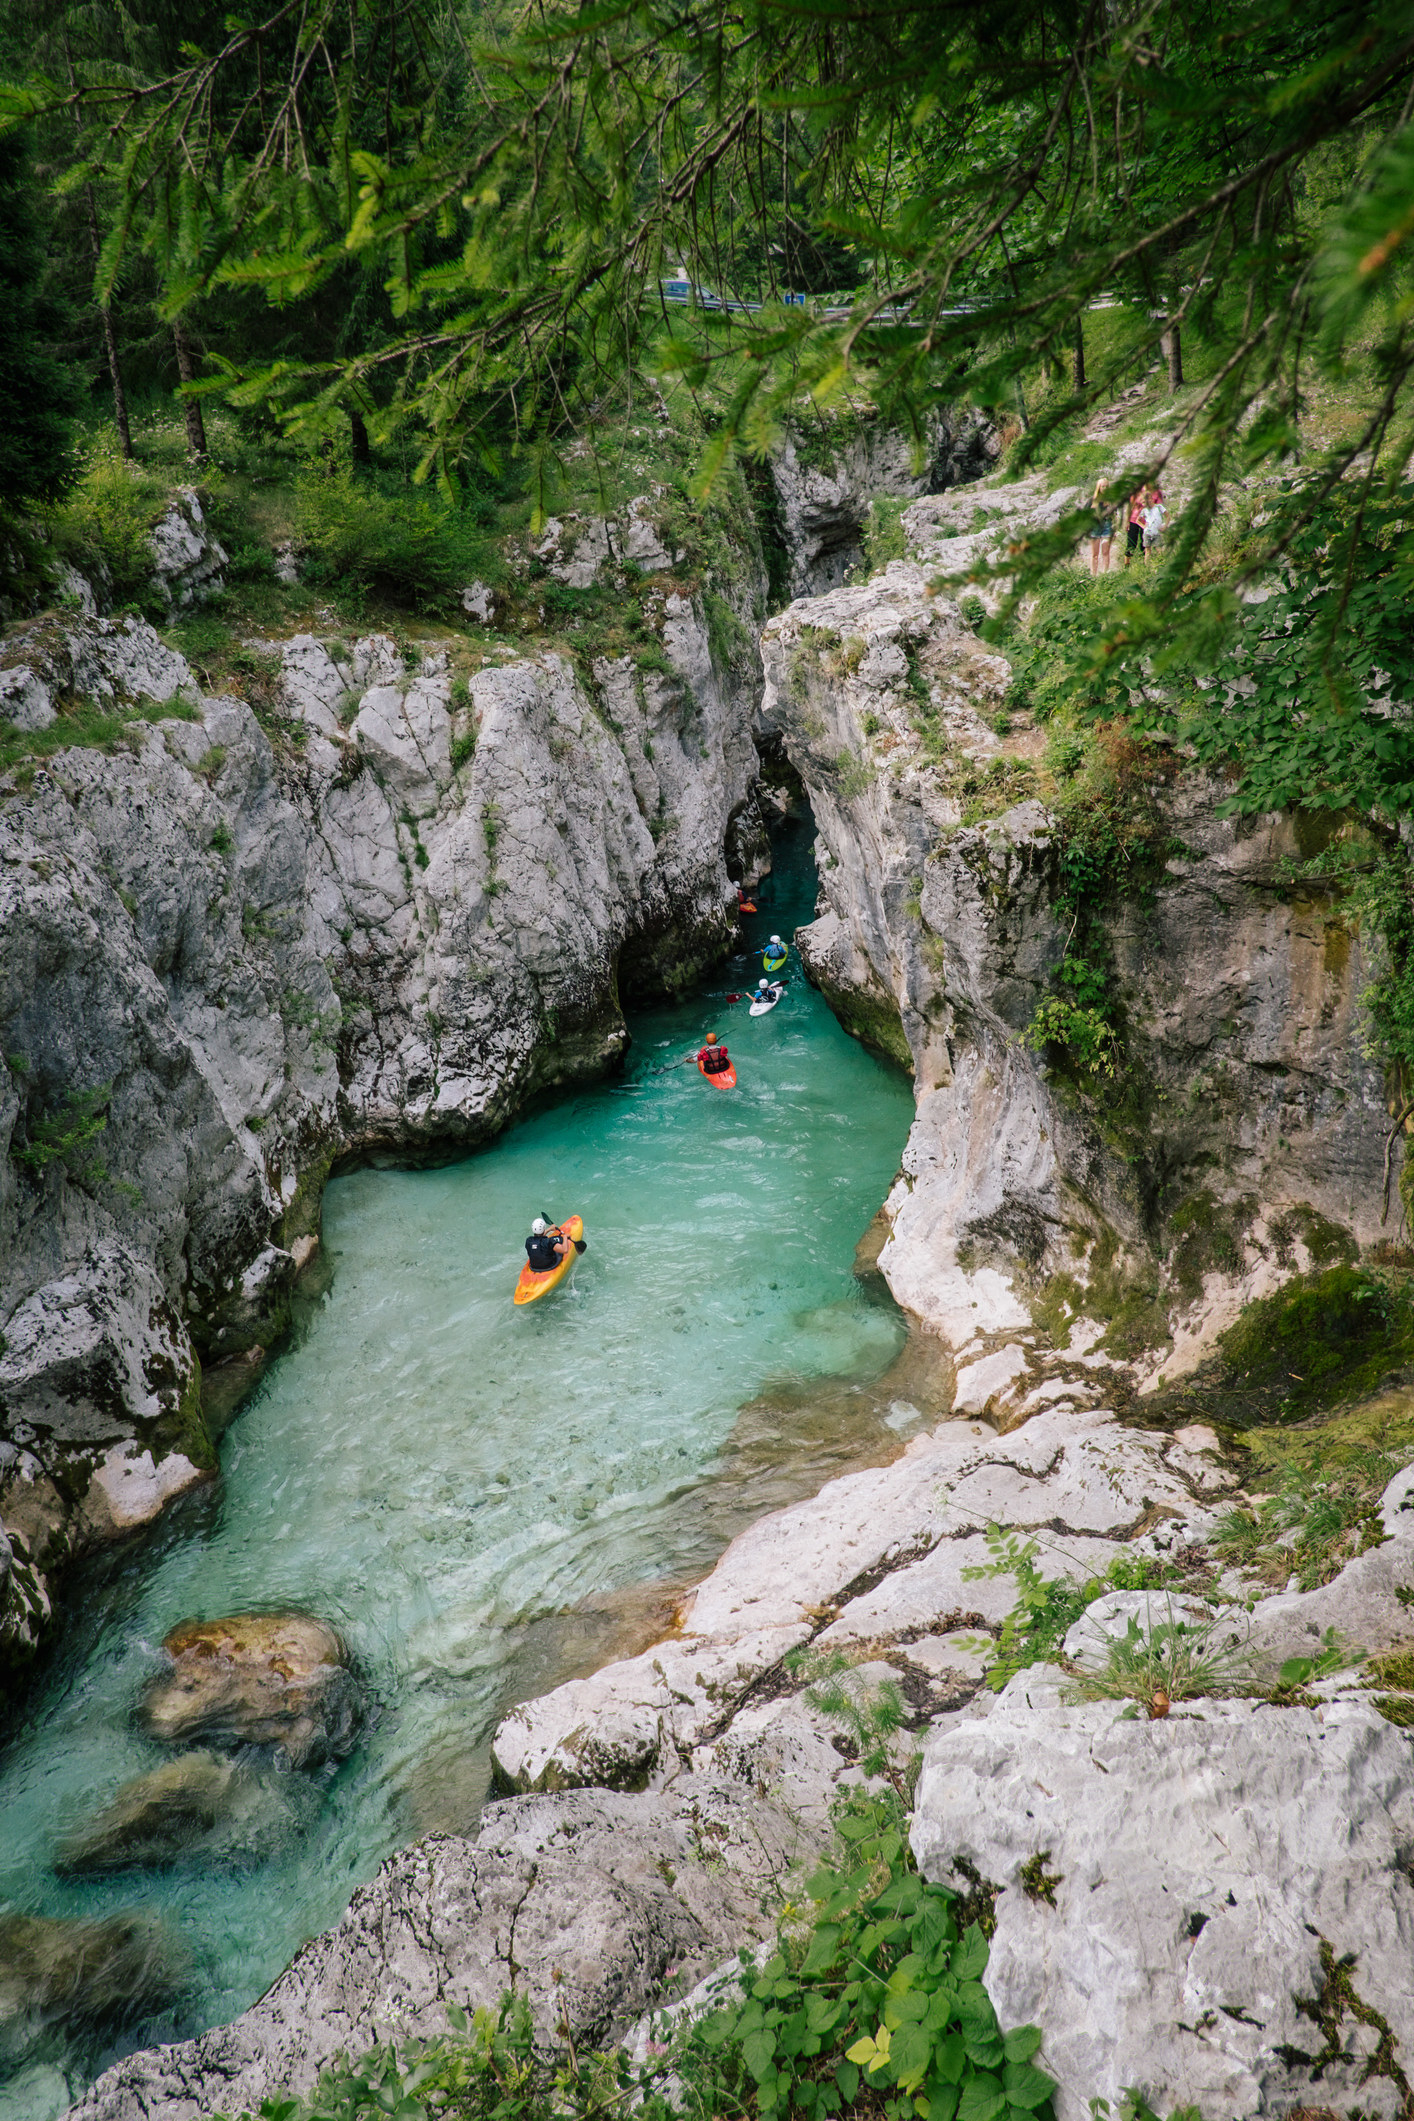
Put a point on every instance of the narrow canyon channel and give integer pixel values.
(470, 1493)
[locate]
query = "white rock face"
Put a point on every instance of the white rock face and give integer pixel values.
(936, 940)
(980, 1383)
(134, 1489)
(878, 1557)
(1201, 1865)
(172, 923)
(188, 562)
(315, 686)
(574, 550)
(25, 700)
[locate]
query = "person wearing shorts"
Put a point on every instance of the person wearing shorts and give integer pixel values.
(1102, 530)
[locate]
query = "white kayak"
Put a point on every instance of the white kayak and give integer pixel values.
(765, 1008)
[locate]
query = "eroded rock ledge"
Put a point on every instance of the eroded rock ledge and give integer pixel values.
(1202, 1873)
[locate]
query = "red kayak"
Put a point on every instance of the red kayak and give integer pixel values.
(721, 1078)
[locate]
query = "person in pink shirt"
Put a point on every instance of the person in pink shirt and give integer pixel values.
(1134, 530)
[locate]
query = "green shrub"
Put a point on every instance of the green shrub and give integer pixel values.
(1078, 1029)
(410, 544)
(105, 522)
(878, 2008)
(875, 2007)
(884, 538)
(67, 1134)
(727, 638)
(1047, 1607)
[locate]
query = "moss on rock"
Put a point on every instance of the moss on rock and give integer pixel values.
(1319, 1340)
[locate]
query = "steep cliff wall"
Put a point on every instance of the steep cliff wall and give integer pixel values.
(827, 477)
(367, 911)
(1242, 1135)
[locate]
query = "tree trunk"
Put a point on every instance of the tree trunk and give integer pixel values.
(358, 432)
(1175, 354)
(191, 407)
(110, 337)
(1079, 380)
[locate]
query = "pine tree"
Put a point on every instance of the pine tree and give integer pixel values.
(37, 393)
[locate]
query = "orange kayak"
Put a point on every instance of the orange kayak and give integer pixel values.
(532, 1286)
(724, 1079)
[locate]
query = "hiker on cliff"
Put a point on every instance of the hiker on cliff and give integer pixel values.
(1134, 527)
(1155, 517)
(1102, 530)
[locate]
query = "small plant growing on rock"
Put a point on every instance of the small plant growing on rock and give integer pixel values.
(1079, 1031)
(66, 1136)
(1170, 1660)
(869, 1716)
(877, 2008)
(1047, 1607)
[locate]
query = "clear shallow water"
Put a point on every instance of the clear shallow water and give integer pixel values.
(447, 1479)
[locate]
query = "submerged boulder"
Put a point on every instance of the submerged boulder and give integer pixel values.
(58, 1972)
(196, 1807)
(280, 1680)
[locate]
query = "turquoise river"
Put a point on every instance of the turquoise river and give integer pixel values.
(480, 1497)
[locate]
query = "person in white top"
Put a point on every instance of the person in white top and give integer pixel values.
(1155, 517)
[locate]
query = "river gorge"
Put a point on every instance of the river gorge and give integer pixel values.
(472, 897)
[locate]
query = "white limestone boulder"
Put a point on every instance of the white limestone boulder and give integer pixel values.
(1201, 1868)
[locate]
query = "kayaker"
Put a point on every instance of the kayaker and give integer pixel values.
(544, 1247)
(768, 990)
(775, 948)
(712, 1056)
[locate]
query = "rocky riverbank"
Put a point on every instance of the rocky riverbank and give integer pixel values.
(1199, 1868)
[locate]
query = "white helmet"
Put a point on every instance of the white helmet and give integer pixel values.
(775, 938)
(537, 1228)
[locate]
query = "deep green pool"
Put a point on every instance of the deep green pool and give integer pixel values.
(448, 1479)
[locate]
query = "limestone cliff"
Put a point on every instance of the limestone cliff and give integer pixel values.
(1250, 1136)
(369, 909)
(827, 476)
